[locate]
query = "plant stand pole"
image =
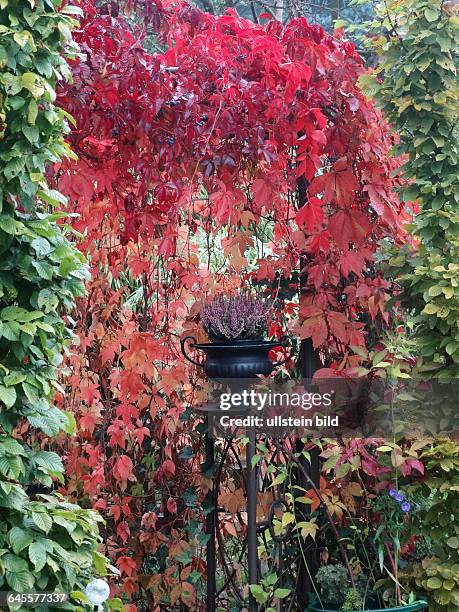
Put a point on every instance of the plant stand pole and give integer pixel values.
(210, 523)
(308, 564)
(252, 545)
(308, 363)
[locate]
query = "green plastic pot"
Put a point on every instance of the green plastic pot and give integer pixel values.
(417, 605)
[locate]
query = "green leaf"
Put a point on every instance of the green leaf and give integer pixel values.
(42, 520)
(435, 290)
(287, 518)
(282, 593)
(10, 446)
(23, 38)
(279, 479)
(8, 396)
(342, 470)
(14, 378)
(41, 246)
(8, 224)
(20, 581)
(258, 593)
(31, 133)
(11, 467)
(100, 563)
(38, 555)
(331, 462)
(47, 300)
(49, 461)
(13, 563)
(32, 113)
(44, 270)
(32, 83)
(19, 539)
(430, 309)
(431, 14)
(51, 196)
(434, 583)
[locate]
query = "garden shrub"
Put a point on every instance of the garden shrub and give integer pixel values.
(46, 544)
(438, 523)
(416, 86)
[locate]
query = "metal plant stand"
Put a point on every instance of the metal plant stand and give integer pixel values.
(252, 528)
(302, 563)
(211, 523)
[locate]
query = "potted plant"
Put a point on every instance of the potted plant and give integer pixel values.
(371, 580)
(337, 593)
(236, 326)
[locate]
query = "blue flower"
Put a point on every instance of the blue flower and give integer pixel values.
(399, 497)
(406, 506)
(393, 492)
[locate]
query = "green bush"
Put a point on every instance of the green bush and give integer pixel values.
(415, 84)
(438, 574)
(46, 544)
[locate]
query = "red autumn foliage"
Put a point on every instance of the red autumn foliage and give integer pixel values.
(211, 137)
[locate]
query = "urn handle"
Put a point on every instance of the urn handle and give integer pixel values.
(284, 341)
(186, 355)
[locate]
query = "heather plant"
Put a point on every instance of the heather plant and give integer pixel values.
(236, 317)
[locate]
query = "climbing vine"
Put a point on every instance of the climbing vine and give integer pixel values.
(416, 86)
(250, 140)
(46, 543)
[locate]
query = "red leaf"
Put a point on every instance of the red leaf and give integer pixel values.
(338, 187)
(262, 191)
(349, 226)
(123, 531)
(127, 565)
(351, 261)
(122, 470)
(315, 328)
(168, 468)
(311, 215)
(415, 464)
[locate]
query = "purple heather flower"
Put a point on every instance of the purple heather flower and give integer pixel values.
(240, 316)
(406, 506)
(393, 492)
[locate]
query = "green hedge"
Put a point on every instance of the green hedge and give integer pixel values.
(46, 544)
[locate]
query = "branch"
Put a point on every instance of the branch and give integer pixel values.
(329, 516)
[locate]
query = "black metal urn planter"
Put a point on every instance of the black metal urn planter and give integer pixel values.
(237, 358)
(235, 327)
